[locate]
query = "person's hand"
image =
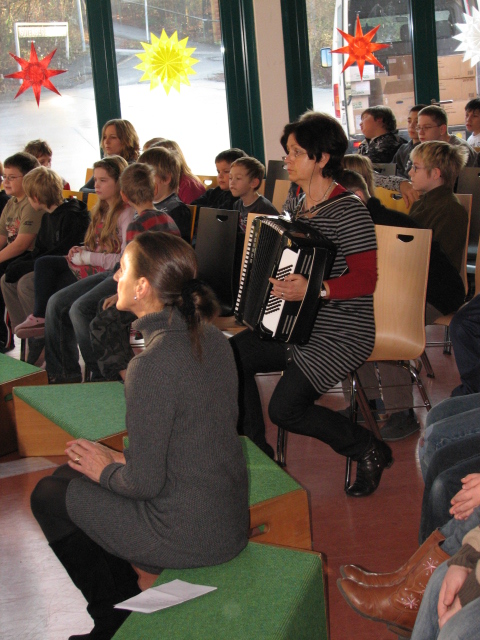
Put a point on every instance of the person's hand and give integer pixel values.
(110, 302)
(91, 458)
(409, 194)
(448, 602)
(292, 289)
(468, 498)
(72, 252)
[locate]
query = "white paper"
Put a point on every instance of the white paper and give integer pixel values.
(164, 596)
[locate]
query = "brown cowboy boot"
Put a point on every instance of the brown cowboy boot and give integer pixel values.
(353, 572)
(396, 605)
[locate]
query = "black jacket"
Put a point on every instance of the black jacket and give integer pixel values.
(59, 232)
(445, 289)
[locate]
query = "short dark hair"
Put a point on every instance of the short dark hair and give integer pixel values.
(385, 114)
(22, 161)
(166, 163)
(230, 155)
(473, 105)
(137, 182)
(436, 113)
(417, 107)
(353, 181)
(319, 133)
(255, 169)
(39, 148)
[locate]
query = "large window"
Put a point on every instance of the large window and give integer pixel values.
(196, 117)
(67, 122)
(320, 16)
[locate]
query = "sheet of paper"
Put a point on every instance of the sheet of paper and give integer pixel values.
(164, 596)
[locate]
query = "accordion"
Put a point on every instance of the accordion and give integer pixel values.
(277, 248)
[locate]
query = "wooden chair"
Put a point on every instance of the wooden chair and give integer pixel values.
(385, 168)
(280, 194)
(88, 174)
(391, 199)
(399, 308)
(92, 200)
(209, 182)
(193, 210)
(275, 171)
(217, 254)
(444, 321)
(79, 195)
(469, 182)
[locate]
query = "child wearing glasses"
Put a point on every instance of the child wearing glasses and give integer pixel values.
(19, 225)
(4, 198)
(435, 167)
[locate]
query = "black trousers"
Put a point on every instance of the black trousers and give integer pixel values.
(292, 406)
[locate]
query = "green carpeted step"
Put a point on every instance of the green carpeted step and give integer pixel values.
(12, 369)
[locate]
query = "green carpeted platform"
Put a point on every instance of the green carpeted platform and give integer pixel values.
(12, 369)
(265, 478)
(265, 592)
(93, 411)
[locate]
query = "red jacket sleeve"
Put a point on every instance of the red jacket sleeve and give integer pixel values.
(360, 280)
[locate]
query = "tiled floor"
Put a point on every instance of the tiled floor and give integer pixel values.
(38, 601)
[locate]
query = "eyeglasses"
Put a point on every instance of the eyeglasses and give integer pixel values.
(295, 153)
(426, 127)
(416, 168)
(10, 178)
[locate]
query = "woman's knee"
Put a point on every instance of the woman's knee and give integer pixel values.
(42, 495)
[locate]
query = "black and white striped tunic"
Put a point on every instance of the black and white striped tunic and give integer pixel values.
(344, 332)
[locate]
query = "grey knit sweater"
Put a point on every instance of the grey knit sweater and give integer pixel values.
(181, 498)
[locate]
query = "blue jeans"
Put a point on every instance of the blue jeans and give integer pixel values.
(462, 626)
(449, 421)
(74, 304)
(465, 335)
(448, 466)
(455, 530)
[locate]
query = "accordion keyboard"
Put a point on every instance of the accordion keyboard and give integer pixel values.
(274, 308)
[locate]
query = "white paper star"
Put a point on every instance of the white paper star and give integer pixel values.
(470, 37)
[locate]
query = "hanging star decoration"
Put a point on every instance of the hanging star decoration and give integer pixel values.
(360, 48)
(166, 61)
(35, 73)
(470, 37)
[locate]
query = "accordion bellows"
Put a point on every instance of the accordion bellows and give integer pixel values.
(277, 248)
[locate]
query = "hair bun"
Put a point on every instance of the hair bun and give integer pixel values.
(188, 290)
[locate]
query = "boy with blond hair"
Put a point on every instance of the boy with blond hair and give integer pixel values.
(246, 175)
(435, 167)
(63, 226)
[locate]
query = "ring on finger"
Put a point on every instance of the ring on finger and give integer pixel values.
(77, 460)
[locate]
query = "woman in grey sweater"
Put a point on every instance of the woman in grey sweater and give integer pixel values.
(177, 497)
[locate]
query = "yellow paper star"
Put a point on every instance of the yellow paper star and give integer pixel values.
(166, 61)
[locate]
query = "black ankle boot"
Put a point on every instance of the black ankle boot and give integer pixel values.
(370, 466)
(103, 579)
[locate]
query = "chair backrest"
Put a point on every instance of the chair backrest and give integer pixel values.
(465, 200)
(210, 182)
(385, 168)
(193, 211)
(399, 300)
(275, 171)
(88, 174)
(391, 199)
(79, 195)
(280, 194)
(469, 182)
(218, 248)
(92, 200)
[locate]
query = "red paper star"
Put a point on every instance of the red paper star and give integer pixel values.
(360, 47)
(35, 74)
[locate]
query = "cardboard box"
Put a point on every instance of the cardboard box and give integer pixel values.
(399, 96)
(352, 74)
(360, 103)
(455, 112)
(400, 66)
(458, 89)
(361, 88)
(455, 67)
(357, 117)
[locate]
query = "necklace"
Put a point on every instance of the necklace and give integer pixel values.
(310, 213)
